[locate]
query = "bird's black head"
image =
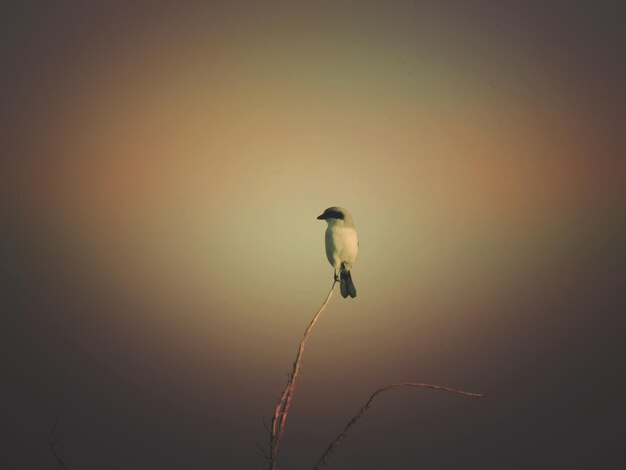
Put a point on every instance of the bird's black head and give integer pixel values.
(333, 213)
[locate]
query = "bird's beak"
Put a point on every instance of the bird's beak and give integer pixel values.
(321, 217)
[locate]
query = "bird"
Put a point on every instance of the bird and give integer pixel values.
(342, 246)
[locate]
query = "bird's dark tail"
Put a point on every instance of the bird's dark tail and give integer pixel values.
(346, 284)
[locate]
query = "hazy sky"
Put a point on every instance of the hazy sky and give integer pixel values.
(163, 165)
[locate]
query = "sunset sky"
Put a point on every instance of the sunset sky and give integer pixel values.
(163, 165)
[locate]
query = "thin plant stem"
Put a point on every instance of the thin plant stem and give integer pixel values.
(281, 411)
(53, 439)
(333, 445)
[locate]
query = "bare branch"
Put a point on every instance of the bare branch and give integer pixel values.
(52, 442)
(284, 403)
(331, 448)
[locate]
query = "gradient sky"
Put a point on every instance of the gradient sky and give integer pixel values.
(162, 168)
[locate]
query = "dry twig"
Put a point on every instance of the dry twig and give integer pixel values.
(284, 403)
(52, 442)
(322, 461)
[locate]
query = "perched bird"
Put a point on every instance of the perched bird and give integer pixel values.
(342, 246)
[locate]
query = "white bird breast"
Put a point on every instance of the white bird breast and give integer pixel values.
(342, 245)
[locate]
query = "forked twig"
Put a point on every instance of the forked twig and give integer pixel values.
(52, 442)
(333, 445)
(281, 411)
